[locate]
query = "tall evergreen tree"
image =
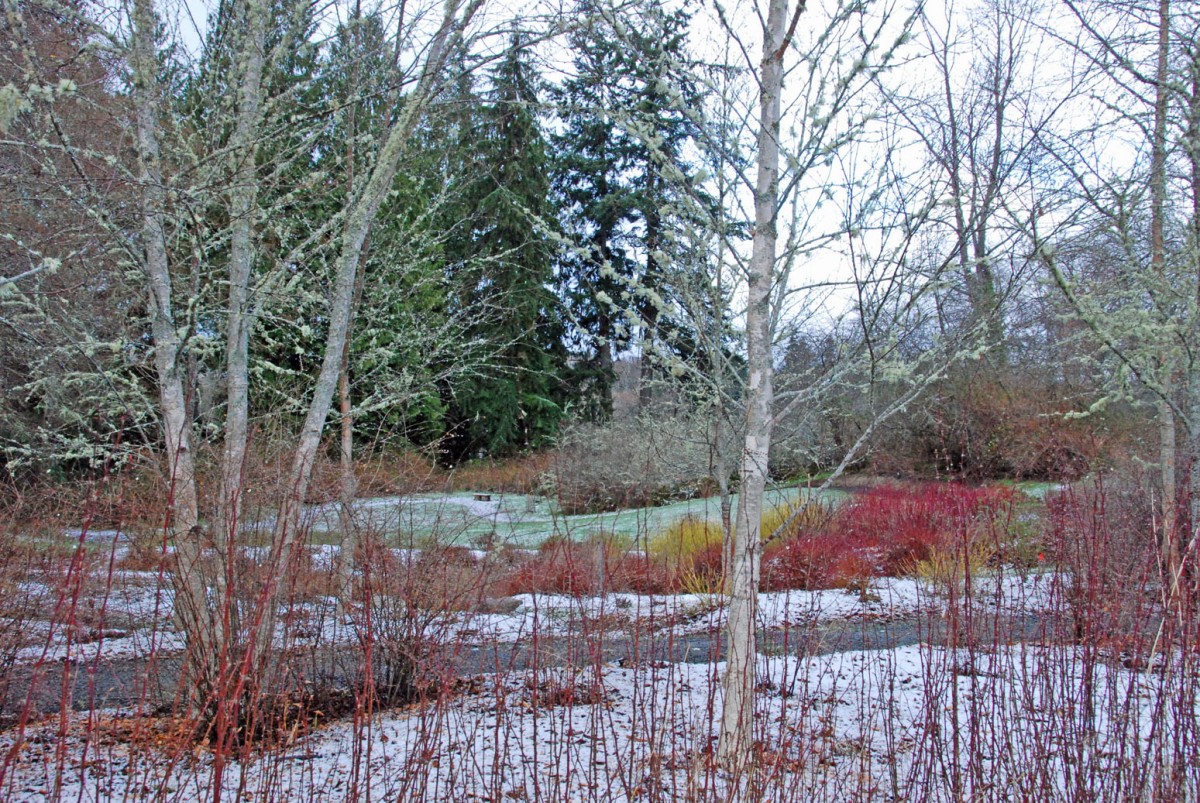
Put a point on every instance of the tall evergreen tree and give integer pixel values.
(506, 268)
(619, 175)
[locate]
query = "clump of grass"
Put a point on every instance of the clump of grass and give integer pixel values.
(947, 567)
(683, 541)
(813, 515)
(708, 587)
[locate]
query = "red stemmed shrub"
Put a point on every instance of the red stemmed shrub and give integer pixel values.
(1104, 539)
(879, 533)
(588, 567)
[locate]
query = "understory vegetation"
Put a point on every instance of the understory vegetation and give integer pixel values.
(1015, 646)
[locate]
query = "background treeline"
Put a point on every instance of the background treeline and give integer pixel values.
(477, 328)
(547, 251)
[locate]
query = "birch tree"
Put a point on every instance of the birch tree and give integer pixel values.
(783, 111)
(217, 185)
(795, 136)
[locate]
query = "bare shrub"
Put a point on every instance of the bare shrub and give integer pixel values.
(597, 565)
(977, 424)
(20, 562)
(633, 462)
(410, 604)
(518, 475)
(398, 471)
(1102, 537)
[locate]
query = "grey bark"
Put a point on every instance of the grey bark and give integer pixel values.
(737, 715)
(360, 215)
(349, 481)
(1193, 379)
(243, 198)
(1158, 262)
(192, 611)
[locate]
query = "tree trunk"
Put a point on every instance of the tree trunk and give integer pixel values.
(1158, 262)
(349, 481)
(359, 217)
(1193, 379)
(1167, 453)
(652, 281)
(193, 614)
(243, 198)
(737, 717)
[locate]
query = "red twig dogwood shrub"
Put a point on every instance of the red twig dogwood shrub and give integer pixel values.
(880, 533)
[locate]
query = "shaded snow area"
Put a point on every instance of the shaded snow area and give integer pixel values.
(131, 616)
(911, 723)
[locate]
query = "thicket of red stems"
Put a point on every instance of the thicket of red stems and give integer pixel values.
(882, 532)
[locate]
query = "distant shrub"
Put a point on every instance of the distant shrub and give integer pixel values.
(398, 471)
(635, 462)
(1103, 540)
(582, 568)
(517, 475)
(813, 516)
(979, 424)
(678, 544)
(885, 531)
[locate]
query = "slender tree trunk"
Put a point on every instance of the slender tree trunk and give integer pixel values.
(737, 716)
(604, 330)
(359, 217)
(349, 481)
(985, 299)
(1168, 474)
(1193, 378)
(645, 384)
(192, 611)
(243, 199)
(1158, 200)
(645, 388)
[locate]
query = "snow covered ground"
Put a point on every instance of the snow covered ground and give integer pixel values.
(135, 613)
(912, 723)
(1038, 721)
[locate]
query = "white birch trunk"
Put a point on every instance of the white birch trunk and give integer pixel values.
(243, 198)
(737, 716)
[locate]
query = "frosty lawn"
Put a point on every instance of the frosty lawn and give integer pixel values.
(517, 519)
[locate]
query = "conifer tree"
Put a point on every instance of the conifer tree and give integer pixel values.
(619, 173)
(506, 269)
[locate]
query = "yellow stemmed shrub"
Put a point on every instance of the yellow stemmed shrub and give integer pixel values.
(680, 543)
